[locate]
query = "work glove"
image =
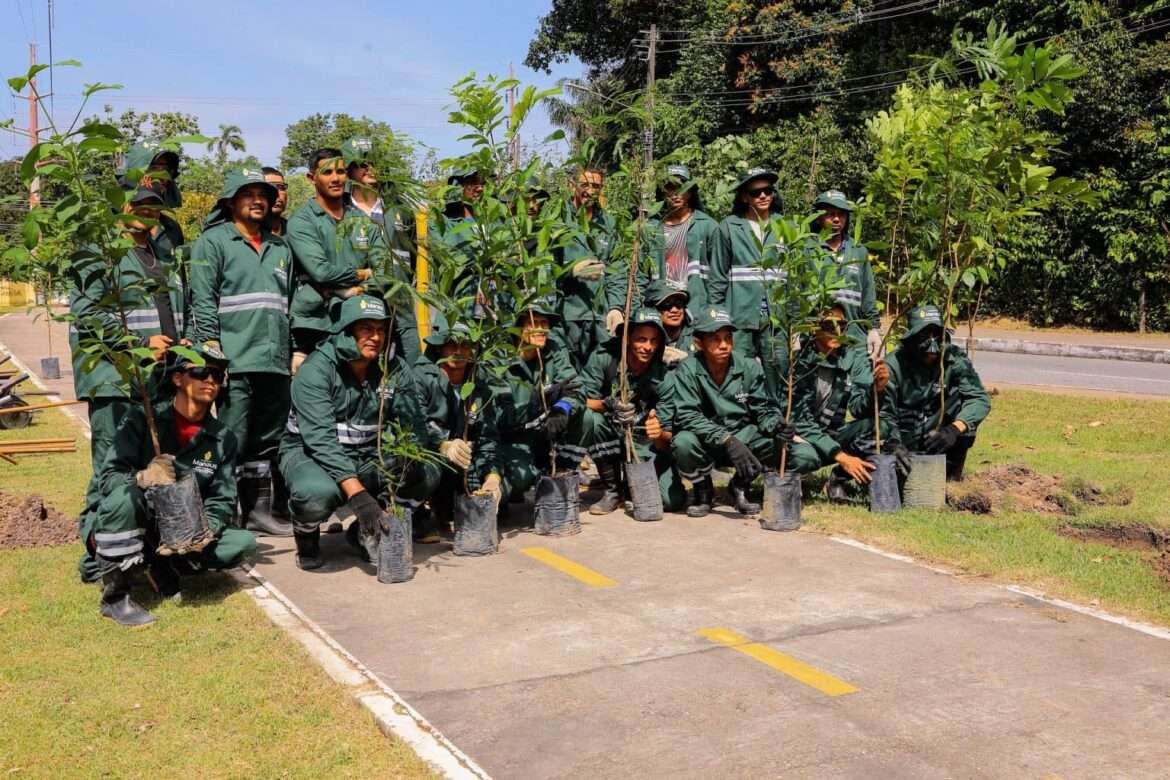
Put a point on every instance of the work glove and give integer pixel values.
(873, 343)
(556, 423)
(904, 461)
(672, 355)
(940, 441)
(747, 466)
(558, 390)
(366, 510)
(612, 320)
(491, 487)
(590, 270)
(458, 451)
(160, 471)
(785, 434)
(621, 413)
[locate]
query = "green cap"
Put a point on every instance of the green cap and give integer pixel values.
(211, 356)
(645, 316)
(834, 198)
(660, 289)
(237, 179)
(755, 173)
(680, 172)
(359, 307)
(141, 156)
(442, 332)
(921, 317)
(356, 150)
(461, 174)
(145, 195)
(546, 305)
(713, 320)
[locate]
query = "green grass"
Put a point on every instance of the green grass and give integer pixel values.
(1051, 434)
(59, 477)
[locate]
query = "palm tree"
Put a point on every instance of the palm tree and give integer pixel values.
(230, 137)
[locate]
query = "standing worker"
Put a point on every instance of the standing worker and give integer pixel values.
(160, 169)
(850, 261)
(678, 244)
(276, 219)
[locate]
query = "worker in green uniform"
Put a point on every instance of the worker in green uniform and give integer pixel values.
(457, 241)
(593, 291)
(329, 454)
(678, 243)
(671, 303)
(534, 406)
(723, 415)
(833, 404)
(911, 377)
(160, 169)
(124, 535)
(147, 283)
(850, 261)
(604, 415)
(737, 281)
(466, 428)
(277, 222)
(340, 252)
(240, 292)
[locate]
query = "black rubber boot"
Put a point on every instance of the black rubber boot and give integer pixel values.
(835, 488)
(739, 496)
(353, 536)
(609, 471)
(117, 604)
(279, 495)
(256, 496)
(165, 580)
(957, 458)
(702, 497)
(309, 550)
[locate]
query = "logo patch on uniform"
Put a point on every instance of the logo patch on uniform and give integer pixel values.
(741, 398)
(362, 238)
(205, 465)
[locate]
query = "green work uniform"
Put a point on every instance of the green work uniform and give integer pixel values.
(584, 304)
(857, 295)
(914, 391)
(124, 533)
(702, 234)
(706, 414)
(328, 253)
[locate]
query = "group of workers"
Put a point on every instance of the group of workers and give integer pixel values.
(300, 357)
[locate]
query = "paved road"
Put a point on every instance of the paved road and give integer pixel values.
(1074, 373)
(711, 648)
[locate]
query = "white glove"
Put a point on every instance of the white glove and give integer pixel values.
(295, 363)
(491, 487)
(672, 355)
(612, 320)
(458, 451)
(160, 471)
(873, 344)
(590, 270)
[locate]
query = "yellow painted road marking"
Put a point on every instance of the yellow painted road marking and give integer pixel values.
(573, 569)
(786, 664)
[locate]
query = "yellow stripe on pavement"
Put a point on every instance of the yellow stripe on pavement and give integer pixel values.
(573, 569)
(786, 664)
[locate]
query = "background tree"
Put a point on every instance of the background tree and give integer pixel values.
(316, 131)
(230, 139)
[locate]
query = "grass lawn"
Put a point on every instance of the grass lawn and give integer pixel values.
(59, 477)
(1051, 434)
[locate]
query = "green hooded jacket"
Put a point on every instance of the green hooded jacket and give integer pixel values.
(736, 280)
(520, 401)
(701, 237)
(714, 412)
(447, 418)
(586, 301)
(858, 295)
(914, 392)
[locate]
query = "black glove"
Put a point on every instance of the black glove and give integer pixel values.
(747, 466)
(365, 508)
(620, 413)
(904, 461)
(558, 390)
(938, 442)
(556, 423)
(785, 434)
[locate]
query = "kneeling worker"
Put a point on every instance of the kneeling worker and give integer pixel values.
(911, 379)
(672, 302)
(723, 415)
(192, 441)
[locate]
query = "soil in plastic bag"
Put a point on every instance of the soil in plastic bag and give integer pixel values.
(558, 505)
(644, 493)
(883, 485)
(926, 486)
(395, 547)
(476, 531)
(178, 513)
(781, 508)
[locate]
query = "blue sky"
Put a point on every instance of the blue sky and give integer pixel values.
(263, 65)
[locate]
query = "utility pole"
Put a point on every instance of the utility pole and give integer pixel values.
(648, 133)
(34, 135)
(514, 144)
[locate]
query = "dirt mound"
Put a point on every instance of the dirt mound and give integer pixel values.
(30, 522)
(1018, 487)
(1153, 542)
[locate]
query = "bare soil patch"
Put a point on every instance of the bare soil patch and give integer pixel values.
(1018, 487)
(29, 522)
(1153, 543)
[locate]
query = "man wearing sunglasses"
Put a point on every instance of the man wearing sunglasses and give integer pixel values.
(834, 381)
(240, 293)
(737, 281)
(125, 536)
(671, 303)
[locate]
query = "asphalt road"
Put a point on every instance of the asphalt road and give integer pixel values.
(1116, 376)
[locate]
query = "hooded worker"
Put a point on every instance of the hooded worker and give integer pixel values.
(159, 170)
(240, 294)
(671, 303)
(851, 269)
(678, 243)
(911, 378)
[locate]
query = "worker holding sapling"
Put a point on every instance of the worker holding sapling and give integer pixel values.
(159, 169)
(849, 261)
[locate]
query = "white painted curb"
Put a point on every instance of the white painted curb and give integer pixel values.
(393, 715)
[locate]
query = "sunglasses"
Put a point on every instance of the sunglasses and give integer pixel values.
(671, 303)
(836, 327)
(761, 191)
(206, 372)
(281, 186)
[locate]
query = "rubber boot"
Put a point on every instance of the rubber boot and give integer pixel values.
(279, 495)
(609, 470)
(702, 497)
(739, 496)
(256, 495)
(117, 604)
(165, 579)
(835, 487)
(309, 550)
(957, 459)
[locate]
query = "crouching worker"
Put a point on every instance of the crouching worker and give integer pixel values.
(329, 453)
(535, 406)
(125, 535)
(671, 302)
(605, 416)
(834, 382)
(910, 378)
(466, 429)
(723, 415)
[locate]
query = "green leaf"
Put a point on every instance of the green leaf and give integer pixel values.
(466, 390)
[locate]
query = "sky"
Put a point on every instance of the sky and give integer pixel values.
(263, 65)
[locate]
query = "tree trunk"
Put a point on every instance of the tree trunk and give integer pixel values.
(1142, 304)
